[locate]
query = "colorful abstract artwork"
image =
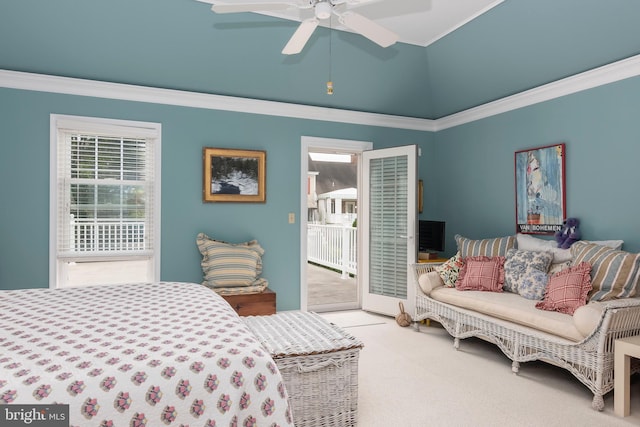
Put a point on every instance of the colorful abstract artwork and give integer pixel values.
(540, 189)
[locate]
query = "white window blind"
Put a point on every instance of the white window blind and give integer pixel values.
(388, 219)
(106, 194)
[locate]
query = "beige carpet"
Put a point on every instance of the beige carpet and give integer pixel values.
(417, 379)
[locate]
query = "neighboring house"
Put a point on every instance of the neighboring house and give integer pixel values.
(332, 193)
(516, 77)
(338, 206)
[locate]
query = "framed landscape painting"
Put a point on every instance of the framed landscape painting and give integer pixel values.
(233, 175)
(540, 189)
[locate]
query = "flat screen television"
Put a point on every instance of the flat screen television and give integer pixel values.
(430, 236)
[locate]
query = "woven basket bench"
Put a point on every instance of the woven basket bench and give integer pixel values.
(319, 364)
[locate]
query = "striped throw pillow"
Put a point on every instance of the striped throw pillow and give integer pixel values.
(486, 247)
(614, 273)
(227, 265)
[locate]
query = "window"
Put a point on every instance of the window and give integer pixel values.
(105, 199)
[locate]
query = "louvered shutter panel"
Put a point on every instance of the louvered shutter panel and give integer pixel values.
(388, 207)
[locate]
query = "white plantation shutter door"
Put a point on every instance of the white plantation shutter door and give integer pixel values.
(389, 223)
(388, 219)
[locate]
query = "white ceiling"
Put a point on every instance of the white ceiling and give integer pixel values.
(417, 22)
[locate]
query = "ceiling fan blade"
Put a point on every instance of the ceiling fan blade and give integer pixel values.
(300, 37)
(368, 28)
(250, 7)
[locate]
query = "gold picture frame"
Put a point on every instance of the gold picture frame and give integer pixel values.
(233, 175)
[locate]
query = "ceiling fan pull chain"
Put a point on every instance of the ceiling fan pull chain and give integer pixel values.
(330, 82)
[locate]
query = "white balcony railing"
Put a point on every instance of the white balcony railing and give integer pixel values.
(333, 246)
(103, 235)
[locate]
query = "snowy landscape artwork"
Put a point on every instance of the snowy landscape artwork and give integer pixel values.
(233, 175)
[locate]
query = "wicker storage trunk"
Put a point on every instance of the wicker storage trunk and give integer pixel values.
(319, 363)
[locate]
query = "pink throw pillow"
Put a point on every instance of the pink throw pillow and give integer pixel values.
(568, 289)
(481, 273)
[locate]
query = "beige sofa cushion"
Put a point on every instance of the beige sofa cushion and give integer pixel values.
(586, 318)
(429, 281)
(514, 308)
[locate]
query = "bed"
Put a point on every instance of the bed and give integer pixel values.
(151, 354)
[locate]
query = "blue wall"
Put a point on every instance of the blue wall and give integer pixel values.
(602, 132)
(467, 170)
(24, 172)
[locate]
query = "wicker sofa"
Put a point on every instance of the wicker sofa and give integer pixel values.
(582, 343)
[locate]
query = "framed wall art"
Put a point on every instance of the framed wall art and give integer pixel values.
(233, 175)
(540, 189)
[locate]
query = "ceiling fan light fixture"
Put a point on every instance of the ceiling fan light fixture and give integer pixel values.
(323, 10)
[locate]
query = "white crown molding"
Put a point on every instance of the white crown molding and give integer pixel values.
(606, 74)
(98, 89)
(610, 73)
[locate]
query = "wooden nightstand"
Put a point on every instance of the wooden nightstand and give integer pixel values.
(258, 304)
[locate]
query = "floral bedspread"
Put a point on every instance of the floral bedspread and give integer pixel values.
(153, 354)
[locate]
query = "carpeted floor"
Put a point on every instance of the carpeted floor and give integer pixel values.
(417, 379)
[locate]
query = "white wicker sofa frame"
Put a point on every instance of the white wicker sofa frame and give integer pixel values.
(590, 360)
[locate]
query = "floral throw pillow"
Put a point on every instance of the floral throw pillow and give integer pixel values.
(519, 264)
(533, 284)
(450, 270)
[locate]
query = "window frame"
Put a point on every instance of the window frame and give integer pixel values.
(148, 130)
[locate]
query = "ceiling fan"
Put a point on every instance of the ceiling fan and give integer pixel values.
(322, 10)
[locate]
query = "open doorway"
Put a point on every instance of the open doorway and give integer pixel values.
(332, 230)
(329, 217)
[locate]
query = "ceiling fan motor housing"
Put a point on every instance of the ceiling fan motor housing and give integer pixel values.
(322, 10)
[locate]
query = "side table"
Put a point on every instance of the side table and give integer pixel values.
(625, 349)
